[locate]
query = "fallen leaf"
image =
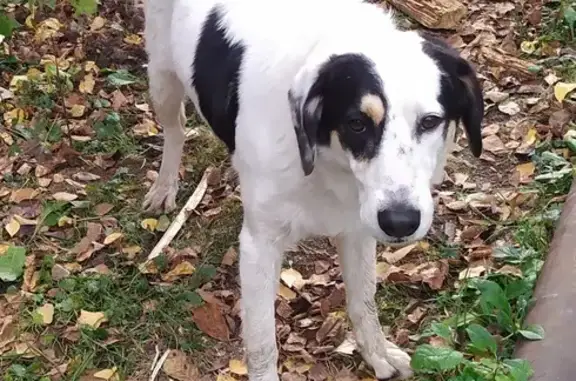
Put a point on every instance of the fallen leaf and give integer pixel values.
(103, 209)
(292, 278)
(399, 254)
(149, 224)
(493, 144)
(238, 367)
(112, 237)
(210, 320)
(230, 257)
(77, 111)
(12, 227)
(286, 293)
(47, 313)
(86, 86)
(182, 268)
(472, 272)
(85, 176)
(509, 108)
(106, 374)
(23, 194)
(97, 23)
(133, 39)
(561, 89)
(510, 270)
(180, 367)
(64, 196)
(92, 319)
(526, 171)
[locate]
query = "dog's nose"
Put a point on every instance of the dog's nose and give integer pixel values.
(399, 220)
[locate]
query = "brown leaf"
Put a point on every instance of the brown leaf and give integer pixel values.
(180, 367)
(93, 234)
(399, 254)
(103, 209)
(416, 315)
(492, 143)
(210, 320)
(230, 257)
(23, 194)
(434, 274)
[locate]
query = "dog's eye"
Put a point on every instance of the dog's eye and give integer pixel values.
(429, 122)
(356, 125)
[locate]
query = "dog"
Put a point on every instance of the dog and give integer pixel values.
(337, 123)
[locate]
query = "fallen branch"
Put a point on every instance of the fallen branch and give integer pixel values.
(180, 219)
(433, 14)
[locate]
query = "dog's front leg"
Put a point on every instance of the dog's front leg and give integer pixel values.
(260, 263)
(357, 253)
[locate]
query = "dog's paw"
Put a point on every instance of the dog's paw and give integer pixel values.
(161, 197)
(394, 366)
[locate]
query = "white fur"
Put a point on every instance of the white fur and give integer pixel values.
(285, 43)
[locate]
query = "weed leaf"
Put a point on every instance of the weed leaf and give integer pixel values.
(12, 263)
(532, 332)
(481, 339)
(520, 369)
(429, 358)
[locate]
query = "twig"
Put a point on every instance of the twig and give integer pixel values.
(155, 358)
(159, 365)
(182, 216)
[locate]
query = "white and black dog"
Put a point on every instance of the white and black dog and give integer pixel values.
(337, 123)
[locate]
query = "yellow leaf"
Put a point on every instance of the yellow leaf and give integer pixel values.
(29, 22)
(561, 89)
(183, 268)
(77, 110)
(47, 313)
(14, 116)
(97, 23)
(526, 170)
(64, 196)
(146, 128)
(149, 224)
(12, 227)
(112, 237)
(238, 367)
(225, 377)
(93, 319)
(528, 47)
(133, 39)
(285, 292)
(131, 251)
(34, 74)
(47, 29)
(65, 220)
(17, 81)
(90, 66)
(292, 278)
(87, 84)
(531, 136)
(106, 374)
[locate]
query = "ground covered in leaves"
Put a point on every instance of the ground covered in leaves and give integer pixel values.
(79, 147)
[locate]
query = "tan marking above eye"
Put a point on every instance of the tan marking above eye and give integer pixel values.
(372, 106)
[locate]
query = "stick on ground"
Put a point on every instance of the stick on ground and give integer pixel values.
(180, 219)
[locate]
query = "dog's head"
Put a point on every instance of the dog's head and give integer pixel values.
(385, 115)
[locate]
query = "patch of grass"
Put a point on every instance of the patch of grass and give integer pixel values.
(139, 314)
(483, 317)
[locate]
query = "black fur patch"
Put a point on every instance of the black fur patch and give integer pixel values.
(460, 94)
(342, 82)
(216, 70)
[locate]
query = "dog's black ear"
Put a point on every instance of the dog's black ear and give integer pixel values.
(461, 89)
(306, 114)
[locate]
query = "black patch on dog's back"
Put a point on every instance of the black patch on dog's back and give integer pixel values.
(342, 82)
(216, 74)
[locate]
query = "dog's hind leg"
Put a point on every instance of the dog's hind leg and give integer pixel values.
(167, 93)
(357, 253)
